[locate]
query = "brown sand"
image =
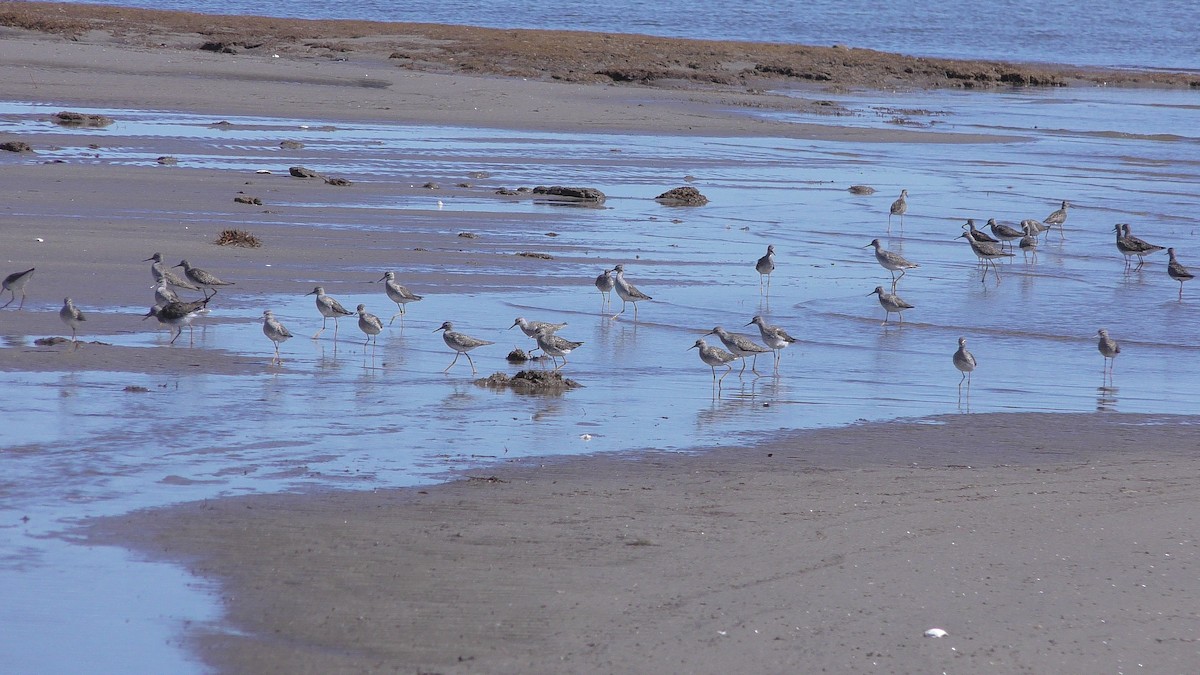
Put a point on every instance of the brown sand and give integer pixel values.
(1041, 543)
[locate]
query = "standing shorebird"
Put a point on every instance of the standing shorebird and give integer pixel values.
(15, 283)
(1057, 218)
(1108, 348)
(891, 303)
(276, 332)
(713, 357)
(773, 336)
(765, 266)
(986, 253)
(398, 294)
(178, 314)
(1005, 233)
(1035, 227)
(977, 234)
(741, 346)
(162, 273)
(553, 345)
(460, 343)
(369, 324)
(329, 308)
(892, 262)
(1141, 248)
(202, 277)
(605, 283)
(1177, 271)
(627, 292)
(1029, 242)
(71, 316)
(899, 208)
(163, 293)
(965, 362)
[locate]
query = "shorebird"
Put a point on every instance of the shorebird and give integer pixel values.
(460, 343)
(1140, 247)
(163, 293)
(160, 272)
(890, 303)
(1124, 247)
(1177, 271)
(553, 345)
(741, 346)
(1035, 227)
(765, 266)
(1029, 242)
(1108, 348)
(986, 253)
(899, 208)
(15, 283)
(891, 261)
(965, 362)
(398, 294)
(978, 235)
(202, 277)
(71, 316)
(1057, 218)
(329, 308)
(531, 328)
(368, 323)
(276, 332)
(713, 357)
(1005, 233)
(773, 336)
(604, 283)
(178, 314)
(627, 292)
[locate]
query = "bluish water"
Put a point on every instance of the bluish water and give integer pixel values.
(1155, 34)
(392, 418)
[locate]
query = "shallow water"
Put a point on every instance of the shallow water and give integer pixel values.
(344, 416)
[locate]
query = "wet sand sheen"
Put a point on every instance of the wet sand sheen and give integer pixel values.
(1041, 543)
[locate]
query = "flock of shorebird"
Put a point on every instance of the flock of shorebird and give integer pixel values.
(170, 310)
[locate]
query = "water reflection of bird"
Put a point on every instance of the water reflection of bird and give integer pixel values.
(1177, 271)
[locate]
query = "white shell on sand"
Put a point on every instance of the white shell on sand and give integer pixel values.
(936, 632)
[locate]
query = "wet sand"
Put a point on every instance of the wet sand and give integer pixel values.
(1040, 543)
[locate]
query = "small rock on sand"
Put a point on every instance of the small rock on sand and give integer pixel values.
(682, 196)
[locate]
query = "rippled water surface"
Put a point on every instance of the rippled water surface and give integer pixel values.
(341, 415)
(1160, 34)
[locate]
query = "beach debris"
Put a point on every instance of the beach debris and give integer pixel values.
(291, 145)
(862, 190)
(539, 256)
(479, 175)
(583, 194)
(507, 192)
(585, 437)
(468, 235)
(167, 160)
(303, 172)
(682, 196)
(340, 182)
(51, 341)
(135, 389)
(67, 118)
(247, 199)
(432, 186)
(16, 146)
(237, 238)
(530, 382)
(517, 355)
(936, 633)
(263, 171)
(218, 47)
